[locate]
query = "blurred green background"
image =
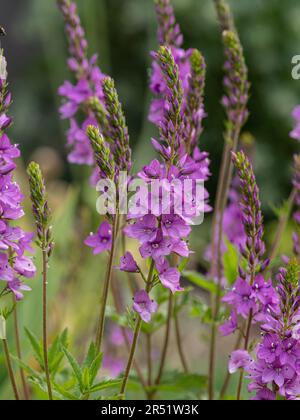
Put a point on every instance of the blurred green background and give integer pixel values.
(123, 32)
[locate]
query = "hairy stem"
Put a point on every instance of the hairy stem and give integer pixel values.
(136, 335)
(105, 292)
(149, 358)
(118, 307)
(224, 183)
(45, 327)
(179, 344)
(166, 342)
(10, 370)
(19, 353)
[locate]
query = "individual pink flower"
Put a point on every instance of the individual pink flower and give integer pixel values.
(169, 277)
(239, 359)
(102, 240)
(144, 306)
(16, 287)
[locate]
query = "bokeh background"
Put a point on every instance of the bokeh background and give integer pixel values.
(123, 32)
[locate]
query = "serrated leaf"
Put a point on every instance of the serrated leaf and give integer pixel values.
(75, 367)
(201, 281)
(64, 393)
(95, 367)
(106, 385)
(91, 355)
(86, 379)
(36, 346)
(25, 367)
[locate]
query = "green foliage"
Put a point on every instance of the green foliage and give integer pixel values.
(231, 263)
(201, 281)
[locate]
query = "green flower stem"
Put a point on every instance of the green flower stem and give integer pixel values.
(10, 370)
(228, 375)
(166, 344)
(105, 292)
(149, 358)
(118, 307)
(19, 353)
(179, 344)
(45, 326)
(136, 335)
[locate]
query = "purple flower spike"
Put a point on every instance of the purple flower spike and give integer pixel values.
(144, 306)
(102, 240)
(14, 242)
(128, 264)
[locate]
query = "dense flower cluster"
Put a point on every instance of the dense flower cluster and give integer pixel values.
(83, 101)
(276, 368)
(162, 235)
(251, 295)
(15, 266)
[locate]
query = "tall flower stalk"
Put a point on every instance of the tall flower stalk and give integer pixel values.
(42, 216)
(235, 103)
(251, 298)
(15, 266)
(112, 154)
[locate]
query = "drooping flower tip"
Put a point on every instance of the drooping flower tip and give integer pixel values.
(128, 264)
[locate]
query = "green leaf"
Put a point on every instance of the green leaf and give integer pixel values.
(183, 382)
(37, 347)
(25, 367)
(75, 366)
(91, 355)
(200, 310)
(64, 393)
(231, 263)
(183, 264)
(201, 281)
(95, 367)
(157, 322)
(106, 385)
(86, 379)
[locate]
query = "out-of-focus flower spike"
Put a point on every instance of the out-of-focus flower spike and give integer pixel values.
(236, 82)
(169, 32)
(195, 113)
(78, 44)
(224, 15)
